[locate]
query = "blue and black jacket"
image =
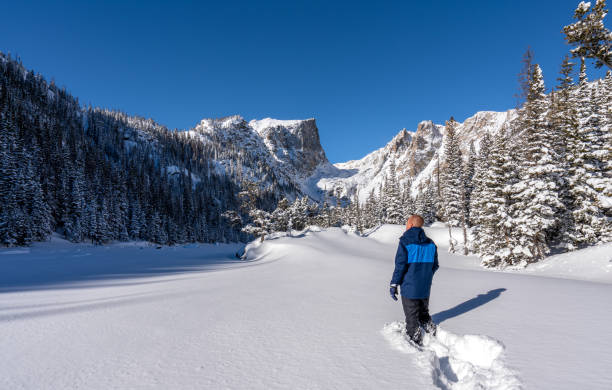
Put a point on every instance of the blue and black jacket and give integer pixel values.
(416, 262)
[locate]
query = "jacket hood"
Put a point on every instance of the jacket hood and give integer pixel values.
(414, 235)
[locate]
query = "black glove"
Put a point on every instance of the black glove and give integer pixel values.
(393, 292)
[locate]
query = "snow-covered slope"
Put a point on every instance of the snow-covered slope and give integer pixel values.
(304, 312)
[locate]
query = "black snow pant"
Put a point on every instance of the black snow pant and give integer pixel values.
(417, 313)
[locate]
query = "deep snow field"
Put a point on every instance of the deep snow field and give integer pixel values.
(310, 311)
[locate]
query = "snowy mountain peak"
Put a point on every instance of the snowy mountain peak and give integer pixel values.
(295, 134)
(401, 141)
(288, 151)
(261, 125)
(228, 122)
(429, 129)
(292, 142)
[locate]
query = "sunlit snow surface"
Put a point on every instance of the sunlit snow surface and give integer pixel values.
(457, 362)
(310, 311)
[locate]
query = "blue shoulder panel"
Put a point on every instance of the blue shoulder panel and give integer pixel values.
(421, 253)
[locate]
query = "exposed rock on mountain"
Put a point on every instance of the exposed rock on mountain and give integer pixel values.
(279, 155)
(293, 143)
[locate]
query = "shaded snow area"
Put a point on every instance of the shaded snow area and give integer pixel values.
(311, 311)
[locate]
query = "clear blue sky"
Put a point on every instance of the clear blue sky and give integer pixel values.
(364, 70)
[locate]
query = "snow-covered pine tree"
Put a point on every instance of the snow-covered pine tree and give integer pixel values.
(538, 206)
(602, 153)
(439, 206)
(490, 237)
(452, 176)
(119, 214)
(510, 247)
(357, 214)
(305, 213)
(466, 193)
(260, 224)
(37, 209)
(419, 201)
(298, 213)
(323, 218)
(394, 210)
(587, 179)
(201, 229)
(430, 209)
(100, 232)
(407, 201)
(248, 196)
(312, 211)
(280, 216)
(73, 213)
(23, 227)
(338, 196)
(606, 195)
(174, 233)
(524, 77)
(233, 218)
(469, 170)
(8, 184)
(370, 210)
(137, 219)
(348, 214)
(477, 202)
(453, 186)
(380, 212)
(563, 117)
(589, 35)
(425, 203)
(21, 195)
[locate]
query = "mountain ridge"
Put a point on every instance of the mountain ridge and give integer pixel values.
(413, 154)
(293, 148)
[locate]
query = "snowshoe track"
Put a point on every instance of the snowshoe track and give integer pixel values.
(457, 362)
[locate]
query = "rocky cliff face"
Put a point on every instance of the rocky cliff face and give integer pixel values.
(295, 144)
(474, 127)
(279, 155)
(427, 141)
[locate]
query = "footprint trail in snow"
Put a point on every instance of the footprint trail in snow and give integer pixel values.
(458, 362)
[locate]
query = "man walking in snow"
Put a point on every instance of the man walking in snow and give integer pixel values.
(416, 262)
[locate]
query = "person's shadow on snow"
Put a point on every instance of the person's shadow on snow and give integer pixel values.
(468, 305)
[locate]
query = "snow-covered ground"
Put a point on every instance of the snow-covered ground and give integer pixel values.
(304, 312)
